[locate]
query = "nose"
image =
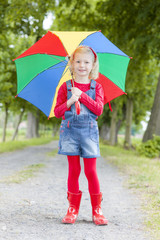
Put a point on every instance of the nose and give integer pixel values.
(81, 64)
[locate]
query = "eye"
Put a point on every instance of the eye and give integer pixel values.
(86, 62)
(77, 61)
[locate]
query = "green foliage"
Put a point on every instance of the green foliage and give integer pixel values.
(21, 25)
(76, 15)
(11, 46)
(26, 17)
(151, 148)
(124, 19)
(105, 118)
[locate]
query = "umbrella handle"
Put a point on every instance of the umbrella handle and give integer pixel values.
(77, 106)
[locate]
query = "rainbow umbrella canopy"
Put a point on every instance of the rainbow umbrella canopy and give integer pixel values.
(43, 68)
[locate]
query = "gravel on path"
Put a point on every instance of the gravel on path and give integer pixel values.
(33, 209)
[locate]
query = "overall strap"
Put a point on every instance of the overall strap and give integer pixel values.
(92, 88)
(69, 85)
(93, 84)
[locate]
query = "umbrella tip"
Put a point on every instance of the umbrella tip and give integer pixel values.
(99, 30)
(130, 57)
(48, 118)
(16, 96)
(67, 58)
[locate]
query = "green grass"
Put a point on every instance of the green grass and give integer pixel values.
(143, 177)
(24, 174)
(16, 145)
(53, 153)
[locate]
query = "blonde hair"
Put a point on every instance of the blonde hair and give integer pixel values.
(85, 49)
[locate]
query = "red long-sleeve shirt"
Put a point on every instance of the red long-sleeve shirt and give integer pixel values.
(96, 106)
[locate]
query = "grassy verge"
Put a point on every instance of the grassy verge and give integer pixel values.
(16, 145)
(143, 177)
(53, 153)
(24, 174)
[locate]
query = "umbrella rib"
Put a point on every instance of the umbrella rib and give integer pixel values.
(56, 67)
(65, 72)
(68, 68)
(56, 58)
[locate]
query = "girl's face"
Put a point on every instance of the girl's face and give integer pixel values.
(82, 64)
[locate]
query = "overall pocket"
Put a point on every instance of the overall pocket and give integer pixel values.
(64, 132)
(94, 132)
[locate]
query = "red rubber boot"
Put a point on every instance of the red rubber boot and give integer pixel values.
(97, 215)
(74, 204)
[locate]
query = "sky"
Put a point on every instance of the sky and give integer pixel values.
(48, 21)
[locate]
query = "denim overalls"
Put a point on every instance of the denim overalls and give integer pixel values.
(79, 133)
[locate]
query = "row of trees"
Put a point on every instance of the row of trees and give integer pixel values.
(21, 26)
(133, 26)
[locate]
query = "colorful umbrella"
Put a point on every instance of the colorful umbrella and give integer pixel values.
(43, 68)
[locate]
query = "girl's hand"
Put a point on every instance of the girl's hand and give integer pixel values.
(76, 91)
(72, 100)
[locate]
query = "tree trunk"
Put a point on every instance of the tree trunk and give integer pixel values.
(32, 125)
(129, 113)
(29, 133)
(158, 125)
(112, 138)
(55, 129)
(153, 124)
(37, 123)
(5, 122)
(104, 132)
(18, 123)
(118, 124)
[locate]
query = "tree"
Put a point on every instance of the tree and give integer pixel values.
(23, 20)
(112, 138)
(75, 15)
(27, 18)
(131, 25)
(154, 122)
(10, 46)
(18, 123)
(117, 118)
(7, 78)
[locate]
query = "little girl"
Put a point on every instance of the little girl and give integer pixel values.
(79, 136)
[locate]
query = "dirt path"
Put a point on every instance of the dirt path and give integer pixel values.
(33, 209)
